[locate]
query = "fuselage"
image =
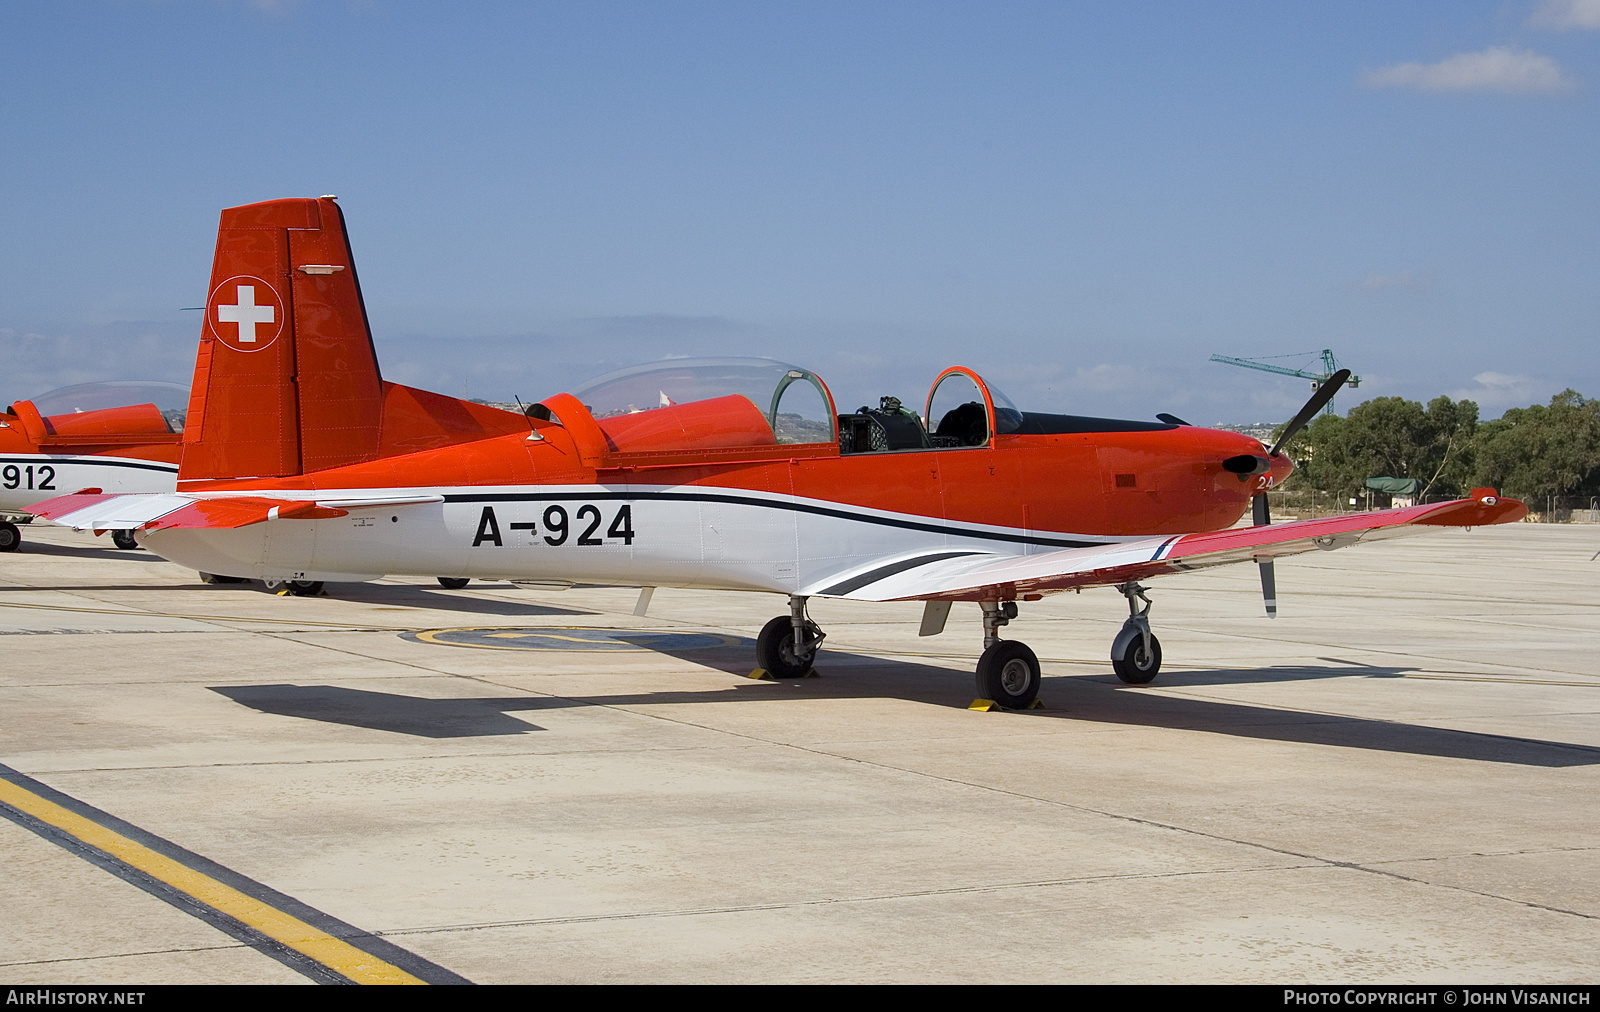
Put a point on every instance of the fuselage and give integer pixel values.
(125, 449)
(786, 518)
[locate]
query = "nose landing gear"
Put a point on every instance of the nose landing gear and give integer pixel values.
(1136, 653)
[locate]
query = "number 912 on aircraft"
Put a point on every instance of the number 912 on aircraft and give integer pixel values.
(301, 464)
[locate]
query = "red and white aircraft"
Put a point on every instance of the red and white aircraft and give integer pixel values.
(119, 436)
(300, 464)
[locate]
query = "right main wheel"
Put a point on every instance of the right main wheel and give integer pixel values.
(775, 648)
(1008, 673)
(10, 537)
(1138, 666)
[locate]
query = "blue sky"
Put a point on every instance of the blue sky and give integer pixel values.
(1083, 201)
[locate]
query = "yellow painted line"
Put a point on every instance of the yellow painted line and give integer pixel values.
(337, 955)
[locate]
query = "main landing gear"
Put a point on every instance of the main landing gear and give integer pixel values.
(10, 537)
(1008, 672)
(124, 539)
(297, 588)
(788, 644)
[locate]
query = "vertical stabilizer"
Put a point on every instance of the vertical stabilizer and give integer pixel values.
(286, 380)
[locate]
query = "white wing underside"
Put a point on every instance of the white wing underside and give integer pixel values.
(993, 576)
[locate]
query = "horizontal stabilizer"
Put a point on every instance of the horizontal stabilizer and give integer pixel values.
(88, 511)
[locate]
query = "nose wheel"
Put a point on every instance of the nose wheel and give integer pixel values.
(1136, 653)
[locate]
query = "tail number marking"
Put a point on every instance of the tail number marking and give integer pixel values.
(559, 527)
(13, 476)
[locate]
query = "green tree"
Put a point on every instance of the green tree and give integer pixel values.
(1540, 451)
(1389, 437)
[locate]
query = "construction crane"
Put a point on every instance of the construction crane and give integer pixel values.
(1330, 365)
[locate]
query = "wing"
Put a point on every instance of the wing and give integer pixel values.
(98, 512)
(985, 576)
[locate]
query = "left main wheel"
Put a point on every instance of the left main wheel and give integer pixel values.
(124, 539)
(453, 582)
(1008, 673)
(775, 648)
(10, 537)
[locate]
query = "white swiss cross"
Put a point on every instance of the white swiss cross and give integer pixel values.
(246, 314)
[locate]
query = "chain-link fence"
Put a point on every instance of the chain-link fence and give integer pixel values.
(1564, 509)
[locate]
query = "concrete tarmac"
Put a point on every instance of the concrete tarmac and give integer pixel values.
(1394, 781)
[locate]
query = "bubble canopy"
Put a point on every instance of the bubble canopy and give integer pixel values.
(112, 394)
(794, 400)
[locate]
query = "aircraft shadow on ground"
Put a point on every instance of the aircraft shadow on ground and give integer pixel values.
(438, 599)
(433, 599)
(73, 551)
(1095, 698)
(471, 717)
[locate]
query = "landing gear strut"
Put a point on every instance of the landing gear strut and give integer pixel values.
(1008, 672)
(1136, 653)
(788, 644)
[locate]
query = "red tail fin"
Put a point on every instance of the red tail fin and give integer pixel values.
(286, 380)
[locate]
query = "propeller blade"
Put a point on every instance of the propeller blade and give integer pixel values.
(1269, 587)
(1323, 395)
(1261, 513)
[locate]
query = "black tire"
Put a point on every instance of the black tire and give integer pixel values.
(1135, 666)
(305, 588)
(10, 537)
(1009, 674)
(124, 539)
(453, 582)
(775, 648)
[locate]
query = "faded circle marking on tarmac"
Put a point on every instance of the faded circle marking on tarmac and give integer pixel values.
(571, 638)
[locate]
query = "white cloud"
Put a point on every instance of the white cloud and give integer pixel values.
(1566, 14)
(1419, 281)
(1498, 68)
(1496, 391)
